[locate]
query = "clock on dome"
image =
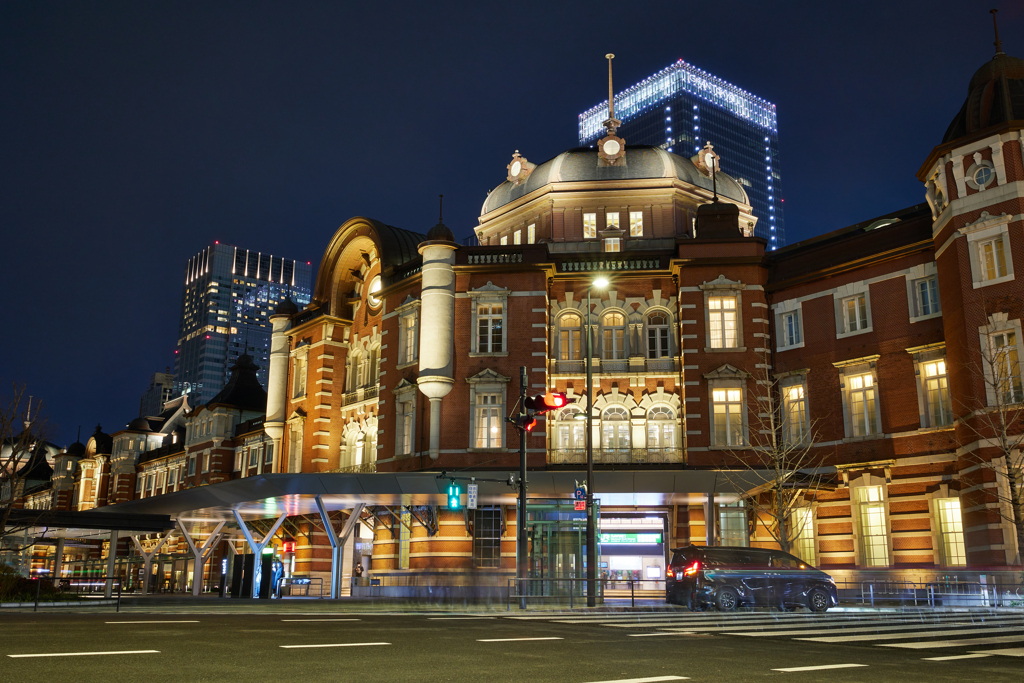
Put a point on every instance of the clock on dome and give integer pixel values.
(518, 169)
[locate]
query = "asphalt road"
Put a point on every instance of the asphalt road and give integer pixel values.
(352, 644)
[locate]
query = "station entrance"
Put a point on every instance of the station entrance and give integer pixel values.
(557, 548)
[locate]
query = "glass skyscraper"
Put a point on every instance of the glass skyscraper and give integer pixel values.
(680, 108)
(230, 294)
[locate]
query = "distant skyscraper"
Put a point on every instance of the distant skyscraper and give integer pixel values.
(230, 294)
(682, 107)
(161, 390)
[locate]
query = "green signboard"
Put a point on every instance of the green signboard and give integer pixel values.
(630, 539)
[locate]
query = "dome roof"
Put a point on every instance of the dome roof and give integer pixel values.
(995, 95)
(77, 449)
(642, 162)
(140, 424)
(286, 307)
(440, 233)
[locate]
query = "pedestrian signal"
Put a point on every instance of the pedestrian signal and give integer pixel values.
(454, 496)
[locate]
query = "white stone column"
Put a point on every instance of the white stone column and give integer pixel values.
(437, 331)
(277, 382)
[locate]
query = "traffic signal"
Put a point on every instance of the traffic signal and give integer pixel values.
(525, 422)
(542, 403)
(454, 496)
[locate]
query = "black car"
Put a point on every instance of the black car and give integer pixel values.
(727, 578)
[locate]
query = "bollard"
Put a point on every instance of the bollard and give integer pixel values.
(36, 608)
(632, 595)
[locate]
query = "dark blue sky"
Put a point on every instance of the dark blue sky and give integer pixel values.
(136, 133)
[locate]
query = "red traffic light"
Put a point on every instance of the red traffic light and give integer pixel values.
(525, 422)
(553, 400)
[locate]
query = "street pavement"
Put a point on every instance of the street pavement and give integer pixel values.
(335, 641)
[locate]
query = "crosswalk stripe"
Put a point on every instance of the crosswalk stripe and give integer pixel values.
(964, 642)
(771, 626)
(973, 655)
(859, 629)
(1006, 652)
(898, 636)
(821, 667)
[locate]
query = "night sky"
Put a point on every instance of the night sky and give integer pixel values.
(136, 133)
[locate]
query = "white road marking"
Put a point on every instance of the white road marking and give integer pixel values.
(974, 655)
(653, 679)
(900, 636)
(87, 654)
(966, 642)
(293, 647)
(512, 640)
(823, 667)
(648, 635)
(181, 621)
(1007, 652)
(859, 629)
(321, 620)
(456, 618)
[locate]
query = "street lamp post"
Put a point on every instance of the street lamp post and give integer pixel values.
(591, 524)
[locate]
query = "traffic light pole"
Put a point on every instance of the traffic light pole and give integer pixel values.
(591, 533)
(521, 547)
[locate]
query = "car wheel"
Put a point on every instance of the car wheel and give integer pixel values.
(727, 599)
(817, 600)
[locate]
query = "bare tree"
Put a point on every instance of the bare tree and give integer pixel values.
(21, 445)
(780, 469)
(995, 423)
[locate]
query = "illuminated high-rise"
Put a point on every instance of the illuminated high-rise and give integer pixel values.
(680, 108)
(229, 295)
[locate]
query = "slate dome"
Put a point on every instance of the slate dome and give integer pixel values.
(995, 95)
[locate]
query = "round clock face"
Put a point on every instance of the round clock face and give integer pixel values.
(709, 161)
(611, 147)
(517, 166)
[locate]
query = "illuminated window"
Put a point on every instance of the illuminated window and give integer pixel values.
(615, 429)
(733, 528)
(727, 412)
(404, 425)
(801, 531)
(1004, 367)
(613, 327)
(951, 532)
(611, 220)
(874, 531)
(570, 433)
(531, 233)
(589, 226)
(487, 416)
(569, 331)
(299, 376)
(407, 337)
(855, 313)
(936, 391)
(795, 426)
(661, 428)
(504, 239)
(657, 335)
(861, 402)
(517, 237)
(993, 258)
(612, 244)
(636, 223)
(490, 330)
(722, 316)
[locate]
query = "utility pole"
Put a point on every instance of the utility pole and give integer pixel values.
(521, 546)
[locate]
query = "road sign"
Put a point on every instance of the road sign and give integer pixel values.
(581, 504)
(471, 492)
(580, 494)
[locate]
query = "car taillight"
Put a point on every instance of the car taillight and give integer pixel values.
(692, 569)
(669, 573)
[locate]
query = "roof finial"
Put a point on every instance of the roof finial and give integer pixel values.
(612, 124)
(995, 25)
(440, 207)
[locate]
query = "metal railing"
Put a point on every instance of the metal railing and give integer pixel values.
(612, 366)
(361, 394)
(364, 468)
(85, 585)
(616, 456)
(575, 590)
(942, 592)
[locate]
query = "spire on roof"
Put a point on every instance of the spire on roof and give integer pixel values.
(995, 26)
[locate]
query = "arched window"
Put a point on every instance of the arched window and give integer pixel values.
(657, 335)
(570, 327)
(661, 427)
(570, 433)
(359, 449)
(615, 428)
(352, 372)
(614, 327)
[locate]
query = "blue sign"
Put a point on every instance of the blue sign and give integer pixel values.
(581, 493)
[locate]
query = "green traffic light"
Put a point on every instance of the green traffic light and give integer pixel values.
(453, 496)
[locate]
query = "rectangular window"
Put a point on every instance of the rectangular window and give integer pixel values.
(517, 237)
(722, 316)
(404, 424)
(855, 313)
(253, 457)
(268, 457)
(531, 233)
(801, 530)
(636, 223)
(1005, 367)
(936, 391)
(161, 480)
(874, 538)
(926, 296)
(951, 531)
(140, 481)
(993, 258)
(489, 328)
(239, 459)
(488, 421)
(191, 465)
(504, 239)
(733, 524)
(612, 244)
(862, 404)
(407, 338)
(791, 333)
(611, 220)
(403, 538)
(589, 226)
(728, 416)
(487, 537)
(299, 377)
(206, 462)
(794, 416)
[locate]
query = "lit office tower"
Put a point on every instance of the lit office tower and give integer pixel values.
(680, 108)
(230, 294)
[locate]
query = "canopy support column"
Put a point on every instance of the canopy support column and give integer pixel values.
(257, 547)
(147, 558)
(339, 542)
(201, 554)
(108, 589)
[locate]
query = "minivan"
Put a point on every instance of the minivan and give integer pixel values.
(730, 577)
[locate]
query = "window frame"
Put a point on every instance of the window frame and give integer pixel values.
(623, 352)
(792, 308)
(405, 429)
(722, 314)
(788, 382)
(983, 231)
(720, 287)
(487, 383)
(408, 321)
(663, 333)
(999, 324)
(861, 546)
(488, 295)
(300, 373)
(851, 292)
(860, 367)
(942, 545)
(589, 225)
(636, 223)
